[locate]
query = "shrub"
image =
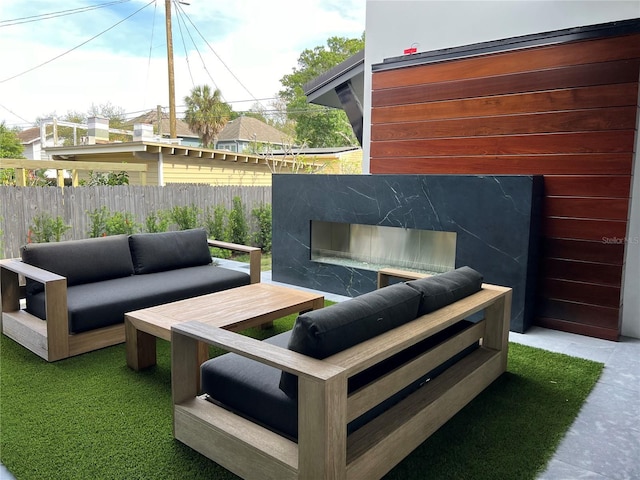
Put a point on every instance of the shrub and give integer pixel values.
(215, 222)
(262, 236)
(185, 217)
(158, 221)
(111, 178)
(237, 228)
(220, 252)
(45, 228)
(104, 223)
(7, 176)
(98, 218)
(121, 223)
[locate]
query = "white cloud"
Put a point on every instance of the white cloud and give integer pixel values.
(259, 42)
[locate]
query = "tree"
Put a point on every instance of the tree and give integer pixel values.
(206, 113)
(280, 119)
(257, 111)
(10, 145)
(316, 125)
(115, 114)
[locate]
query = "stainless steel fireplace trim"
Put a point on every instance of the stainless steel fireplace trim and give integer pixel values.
(371, 247)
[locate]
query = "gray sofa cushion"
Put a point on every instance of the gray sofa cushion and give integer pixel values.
(250, 388)
(96, 305)
(441, 290)
(324, 332)
(80, 261)
(158, 252)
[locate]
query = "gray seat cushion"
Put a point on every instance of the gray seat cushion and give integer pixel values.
(251, 389)
(100, 304)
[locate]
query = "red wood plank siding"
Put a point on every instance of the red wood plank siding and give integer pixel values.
(565, 111)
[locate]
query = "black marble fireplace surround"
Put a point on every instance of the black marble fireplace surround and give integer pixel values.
(496, 219)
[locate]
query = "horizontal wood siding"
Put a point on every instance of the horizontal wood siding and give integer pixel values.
(565, 111)
(216, 172)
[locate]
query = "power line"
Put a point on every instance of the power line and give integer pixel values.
(61, 13)
(14, 113)
(218, 56)
(184, 45)
(153, 26)
(77, 46)
(266, 112)
(180, 12)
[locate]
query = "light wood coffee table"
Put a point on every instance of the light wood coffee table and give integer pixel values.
(234, 309)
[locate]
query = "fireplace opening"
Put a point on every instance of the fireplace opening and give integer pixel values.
(372, 247)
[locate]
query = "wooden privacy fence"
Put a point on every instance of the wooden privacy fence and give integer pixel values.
(19, 205)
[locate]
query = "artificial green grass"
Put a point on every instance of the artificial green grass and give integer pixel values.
(92, 417)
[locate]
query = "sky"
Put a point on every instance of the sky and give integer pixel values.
(60, 57)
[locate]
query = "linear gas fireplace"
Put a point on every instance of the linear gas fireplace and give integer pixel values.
(372, 247)
(333, 232)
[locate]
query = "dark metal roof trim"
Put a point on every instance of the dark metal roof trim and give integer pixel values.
(336, 72)
(610, 29)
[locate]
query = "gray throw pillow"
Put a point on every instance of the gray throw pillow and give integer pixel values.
(443, 289)
(324, 332)
(80, 261)
(158, 252)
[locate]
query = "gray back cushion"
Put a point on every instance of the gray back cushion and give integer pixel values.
(158, 252)
(81, 261)
(441, 290)
(324, 332)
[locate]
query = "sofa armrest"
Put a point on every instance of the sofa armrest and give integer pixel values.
(255, 256)
(322, 401)
(55, 290)
(184, 368)
(384, 274)
(263, 352)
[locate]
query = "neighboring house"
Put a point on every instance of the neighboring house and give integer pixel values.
(173, 163)
(248, 134)
(183, 132)
(33, 148)
(518, 88)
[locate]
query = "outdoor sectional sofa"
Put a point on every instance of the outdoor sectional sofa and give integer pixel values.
(352, 389)
(77, 291)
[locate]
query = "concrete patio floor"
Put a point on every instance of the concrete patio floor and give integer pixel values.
(604, 441)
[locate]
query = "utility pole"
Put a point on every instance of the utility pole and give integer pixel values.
(172, 87)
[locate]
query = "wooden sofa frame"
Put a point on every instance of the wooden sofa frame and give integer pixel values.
(324, 450)
(50, 339)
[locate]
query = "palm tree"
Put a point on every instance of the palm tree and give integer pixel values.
(206, 113)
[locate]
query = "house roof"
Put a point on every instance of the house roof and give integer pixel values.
(315, 151)
(251, 130)
(342, 87)
(77, 152)
(29, 135)
(151, 117)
